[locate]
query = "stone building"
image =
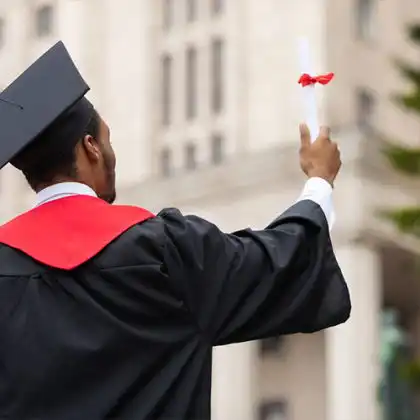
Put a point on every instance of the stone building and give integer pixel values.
(203, 102)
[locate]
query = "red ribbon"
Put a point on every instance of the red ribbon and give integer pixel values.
(323, 79)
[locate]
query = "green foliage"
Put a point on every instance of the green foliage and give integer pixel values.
(404, 159)
(411, 373)
(407, 160)
(409, 72)
(407, 220)
(414, 33)
(410, 100)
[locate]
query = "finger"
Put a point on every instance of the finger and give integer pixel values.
(305, 135)
(325, 132)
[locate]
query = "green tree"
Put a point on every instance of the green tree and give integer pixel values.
(407, 160)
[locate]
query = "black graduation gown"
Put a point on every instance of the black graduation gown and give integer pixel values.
(128, 334)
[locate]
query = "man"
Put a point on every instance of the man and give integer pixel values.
(111, 312)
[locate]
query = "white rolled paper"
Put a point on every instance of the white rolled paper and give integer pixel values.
(309, 96)
(309, 93)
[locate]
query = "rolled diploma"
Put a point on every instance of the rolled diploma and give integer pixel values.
(309, 98)
(309, 94)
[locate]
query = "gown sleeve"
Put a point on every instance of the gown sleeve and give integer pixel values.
(251, 284)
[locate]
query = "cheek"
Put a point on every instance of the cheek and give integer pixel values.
(108, 158)
(111, 161)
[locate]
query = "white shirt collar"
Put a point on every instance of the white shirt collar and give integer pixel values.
(61, 190)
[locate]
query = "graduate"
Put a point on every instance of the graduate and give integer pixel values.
(111, 312)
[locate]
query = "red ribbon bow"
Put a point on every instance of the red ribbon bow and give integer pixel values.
(324, 79)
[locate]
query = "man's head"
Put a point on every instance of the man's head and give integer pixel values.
(89, 159)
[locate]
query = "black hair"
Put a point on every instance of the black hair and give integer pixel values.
(47, 158)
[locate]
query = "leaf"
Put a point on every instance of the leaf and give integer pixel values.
(411, 373)
(414, 33)
(409, 100)
(407, 220)
(405, 160)
(409, 72)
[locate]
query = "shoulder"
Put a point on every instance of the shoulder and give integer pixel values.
(145, 242)
(14, 263)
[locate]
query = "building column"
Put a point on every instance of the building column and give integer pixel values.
(352, 349)
(234, 393)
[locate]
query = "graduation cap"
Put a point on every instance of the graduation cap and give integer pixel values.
(45, 102)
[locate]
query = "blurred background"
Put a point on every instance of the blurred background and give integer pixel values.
(203, 102)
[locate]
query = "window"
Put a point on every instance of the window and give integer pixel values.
(191, 83)
(217, 55)
(273, 410)
(166, 86)
(44, 21)
(2, 32)
(217, 6)
(166, 163)
(364, 19)
(168, 13)
(190, 156)
(217, 149)
(191, 10)
(365, 109)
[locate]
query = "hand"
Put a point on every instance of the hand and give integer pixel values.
(320, 158)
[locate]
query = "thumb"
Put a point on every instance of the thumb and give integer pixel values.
(305, 135)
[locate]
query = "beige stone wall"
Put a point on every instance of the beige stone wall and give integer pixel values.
(370, 64)
(298, 376)
(117, 45)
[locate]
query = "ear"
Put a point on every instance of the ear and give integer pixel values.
(91, 148)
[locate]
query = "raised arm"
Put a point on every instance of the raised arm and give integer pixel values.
(255, 284)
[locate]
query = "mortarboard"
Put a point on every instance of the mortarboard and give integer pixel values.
(46, 100)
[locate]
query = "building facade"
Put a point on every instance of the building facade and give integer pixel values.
(203, 102)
